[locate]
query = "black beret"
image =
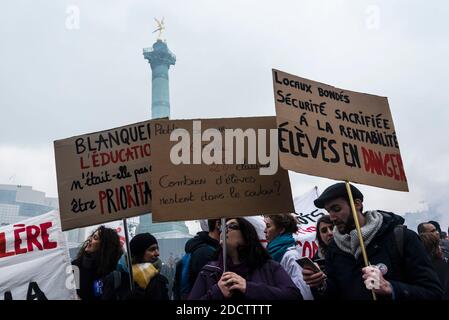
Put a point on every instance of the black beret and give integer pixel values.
(337, 190)
(140, 243)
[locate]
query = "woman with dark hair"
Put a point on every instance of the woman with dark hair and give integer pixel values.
(279, 232)
(431, 243)
(250, 271)
(324, 235)
(97, 257)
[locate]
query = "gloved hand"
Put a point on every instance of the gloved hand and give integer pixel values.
(374, 279)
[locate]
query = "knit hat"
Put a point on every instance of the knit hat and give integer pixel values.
(140, 243)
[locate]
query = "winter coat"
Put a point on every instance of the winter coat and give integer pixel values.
(116, 286)
(269, 282)
(88, 274)
(410, 273)
(202, 249)
(444, 245)
(294, 270)
(441, 267)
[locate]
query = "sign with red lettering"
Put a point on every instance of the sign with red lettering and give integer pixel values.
(34, 260)
(104, 176)
(307, 216)
(334, 133)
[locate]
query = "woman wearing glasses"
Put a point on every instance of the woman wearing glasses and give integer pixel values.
(250, 271)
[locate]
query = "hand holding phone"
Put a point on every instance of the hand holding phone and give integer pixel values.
(306, 262)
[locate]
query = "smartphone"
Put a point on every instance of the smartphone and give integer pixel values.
(320, 263)
(307, 262)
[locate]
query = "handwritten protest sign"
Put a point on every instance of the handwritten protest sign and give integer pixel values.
(34, 260)
(104, 176)
(204, 190)
(335, 133)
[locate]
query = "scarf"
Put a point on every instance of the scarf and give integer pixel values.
(279, 245)
(349, 243)
(90, 261)
(122, 264)
(144, 272)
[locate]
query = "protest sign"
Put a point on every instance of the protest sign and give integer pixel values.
(196, 188)
(104, 176)
(34, 260)
(335, 133)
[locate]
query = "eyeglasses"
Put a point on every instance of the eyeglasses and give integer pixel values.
(232, 226)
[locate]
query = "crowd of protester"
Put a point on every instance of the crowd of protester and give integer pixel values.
(403, 264)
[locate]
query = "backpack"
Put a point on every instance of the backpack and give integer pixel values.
(398, 258)
(185, 284)
(399, 234)
(183, 278)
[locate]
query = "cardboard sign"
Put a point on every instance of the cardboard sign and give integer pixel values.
(104, 176)
(200, 190)
(334, 133)
(34, 261)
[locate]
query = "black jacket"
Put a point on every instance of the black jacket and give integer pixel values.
(441, 267)
(116, 286)
(88, 274)
(202, 249)
(412, 275)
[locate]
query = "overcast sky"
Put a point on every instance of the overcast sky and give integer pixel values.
(73, 67)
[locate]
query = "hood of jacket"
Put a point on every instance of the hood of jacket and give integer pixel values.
(201, 238)
(390, 220)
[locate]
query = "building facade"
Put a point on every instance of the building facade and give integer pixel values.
(19, 202)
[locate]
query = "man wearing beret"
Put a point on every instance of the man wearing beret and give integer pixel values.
(399, 266)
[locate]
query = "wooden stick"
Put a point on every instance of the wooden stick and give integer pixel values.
(359, 230)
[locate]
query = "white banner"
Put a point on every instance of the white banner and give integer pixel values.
(34, 260)
(307, 215)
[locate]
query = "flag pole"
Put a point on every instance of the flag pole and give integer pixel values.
(223, 241)
(128, 255)
(359, 230)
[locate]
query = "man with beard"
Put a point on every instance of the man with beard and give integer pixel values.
(434, 227)
(399, 266)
